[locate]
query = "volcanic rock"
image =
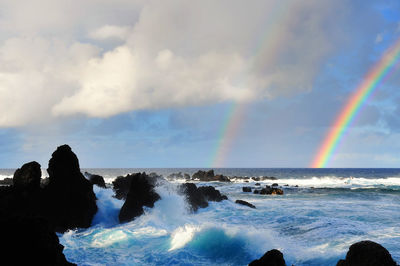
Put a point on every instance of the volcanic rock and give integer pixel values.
(6, 182)
(69, 198)
(271, 258)
(28, 176)
(207, 176)
(242, 202)
(141, 193)
(212, 194)
(367, 253)
(194, 197)
(30, 241)
(246, 189)
(121, 186)
(97, 180)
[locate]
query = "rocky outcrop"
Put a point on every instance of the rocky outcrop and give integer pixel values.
(245, 203)
(212, 194)
(269, 191)
(141, 193)
(194, 197)
(271, 258)
(6, 182)
(97, 180)
(69, 198)
(246, 189)
(121, 186)
(28, 176)
(207, 176)
(198, 197)
(367, 253)
(30, 241)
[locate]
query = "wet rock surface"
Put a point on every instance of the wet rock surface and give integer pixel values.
(271, 258)
(245, 203)
(367, 253)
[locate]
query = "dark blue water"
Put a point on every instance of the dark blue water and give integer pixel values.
(322, 212)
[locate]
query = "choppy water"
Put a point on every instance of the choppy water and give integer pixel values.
(311, 226)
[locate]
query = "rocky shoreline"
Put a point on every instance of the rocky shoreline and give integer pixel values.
(33, 209)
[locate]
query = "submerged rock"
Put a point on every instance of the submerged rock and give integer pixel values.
(30, 241)
(141, 193)
(97, 180)
(69, 198)
(367, 253)
(245, 203)
(246, 189)
(271, 258)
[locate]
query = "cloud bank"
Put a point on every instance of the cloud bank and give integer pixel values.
(103, 58)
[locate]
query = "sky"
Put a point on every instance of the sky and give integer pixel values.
(174, 83)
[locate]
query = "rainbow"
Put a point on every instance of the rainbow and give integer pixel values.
(228, 133)
(371, 81)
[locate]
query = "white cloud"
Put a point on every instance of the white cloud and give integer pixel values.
(170, 53)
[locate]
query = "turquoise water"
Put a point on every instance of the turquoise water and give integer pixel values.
(311, 226)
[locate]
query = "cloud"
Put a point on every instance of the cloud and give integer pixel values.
(171, 53)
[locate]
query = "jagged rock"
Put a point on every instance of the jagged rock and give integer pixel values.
(97, 180)
(242, 202)
(212, 194)
(209, 176)
(246, 189)
(141, 193)
(194, 197)
(69, 198)
(6, 182)
(198, 197)
(178, 175)
(28, 176)
(274, 185)
(269, 191)
(121, 186)
(30, 241)
(367, 253)
(271, 258)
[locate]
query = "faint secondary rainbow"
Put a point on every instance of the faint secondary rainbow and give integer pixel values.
(228, 133)
(265, 47)
(371, 81)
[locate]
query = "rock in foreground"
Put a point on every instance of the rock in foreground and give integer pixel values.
(69, 198)
(30, 241)
(141, 193)
(271, 258)
(367, 253)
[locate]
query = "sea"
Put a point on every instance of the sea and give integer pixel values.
(322, 212)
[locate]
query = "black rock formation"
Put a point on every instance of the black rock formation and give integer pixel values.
(246, 189)
(97, 180)
(141, 193)
(367, 253)
(194, 197)
(121, 186)
(28, 176)
(207, 176)
(6, 182)
(245, 203)
(212, 194)
(269, 191)
(271, 258)
(198, 197)
(30, 241)
(69, 198)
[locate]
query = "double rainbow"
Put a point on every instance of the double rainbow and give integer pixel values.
(371, 81)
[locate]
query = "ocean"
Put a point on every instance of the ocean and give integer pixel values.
(322, 212)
